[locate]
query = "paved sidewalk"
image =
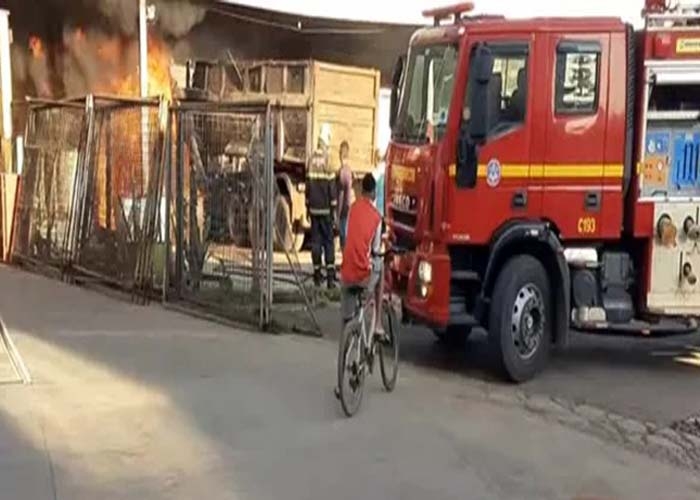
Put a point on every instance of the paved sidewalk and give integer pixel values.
(142, 403)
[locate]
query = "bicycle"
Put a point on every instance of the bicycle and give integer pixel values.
(358, 346)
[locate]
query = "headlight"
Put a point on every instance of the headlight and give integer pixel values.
(425, 272)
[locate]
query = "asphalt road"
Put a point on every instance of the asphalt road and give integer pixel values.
(141, 403)
(649, 380)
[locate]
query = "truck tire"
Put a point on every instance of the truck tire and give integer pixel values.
(238, 225)
(284, 237)
(520, 319)
(453, 336)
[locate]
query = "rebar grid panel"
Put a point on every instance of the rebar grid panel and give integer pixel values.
(54, 137)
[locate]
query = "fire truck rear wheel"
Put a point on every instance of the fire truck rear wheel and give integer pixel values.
(520, 322)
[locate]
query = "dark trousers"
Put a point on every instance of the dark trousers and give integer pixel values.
(322, 241)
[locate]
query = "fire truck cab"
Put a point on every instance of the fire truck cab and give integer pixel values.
(544, 175)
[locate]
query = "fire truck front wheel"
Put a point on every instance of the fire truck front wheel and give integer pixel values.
(520, 321)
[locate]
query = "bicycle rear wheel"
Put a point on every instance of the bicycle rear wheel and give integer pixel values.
(389, 348)
(351, 370)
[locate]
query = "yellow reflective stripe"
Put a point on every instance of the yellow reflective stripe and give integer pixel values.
(614, 171)
(320, 211)
(582, 171)
(507, 171)
(609, 171)
(323, 176)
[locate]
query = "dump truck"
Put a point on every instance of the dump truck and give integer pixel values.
(304, 96)
(544, 176)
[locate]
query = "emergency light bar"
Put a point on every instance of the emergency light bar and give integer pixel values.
(440, 13)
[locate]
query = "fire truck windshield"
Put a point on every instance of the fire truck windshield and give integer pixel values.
(426, 94)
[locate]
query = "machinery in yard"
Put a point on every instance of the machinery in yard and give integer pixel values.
(544, 175)
(304, 96)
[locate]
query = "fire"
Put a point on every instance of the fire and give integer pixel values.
(159, 79)
(92, 62)
(109, 63)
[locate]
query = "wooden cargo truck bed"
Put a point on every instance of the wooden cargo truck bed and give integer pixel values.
(347, 99)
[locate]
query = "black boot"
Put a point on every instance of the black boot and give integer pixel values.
(330, 276)
(317, 277)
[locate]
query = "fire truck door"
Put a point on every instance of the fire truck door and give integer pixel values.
(501, 191)
(574, 161)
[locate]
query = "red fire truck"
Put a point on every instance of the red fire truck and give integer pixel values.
(544, 175)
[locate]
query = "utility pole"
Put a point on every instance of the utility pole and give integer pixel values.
(143, 79)
(143, 47)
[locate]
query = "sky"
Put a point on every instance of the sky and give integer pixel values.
(409, 11)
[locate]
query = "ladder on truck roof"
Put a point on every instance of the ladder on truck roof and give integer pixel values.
(668, 15)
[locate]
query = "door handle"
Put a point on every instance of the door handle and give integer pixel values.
(519, 200)
(592, 203)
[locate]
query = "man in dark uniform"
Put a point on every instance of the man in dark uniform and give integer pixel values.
(321, 205)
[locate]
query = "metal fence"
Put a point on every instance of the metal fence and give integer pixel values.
(136, 196)
(220, 208)
(90, 202)
(54, 138)
(222, 216)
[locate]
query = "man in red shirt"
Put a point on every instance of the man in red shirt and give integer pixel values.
(359, 269)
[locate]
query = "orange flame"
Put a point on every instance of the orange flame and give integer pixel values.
(159, 79)
(112, 52)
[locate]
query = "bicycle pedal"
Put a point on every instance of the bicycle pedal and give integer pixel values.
(336, 393)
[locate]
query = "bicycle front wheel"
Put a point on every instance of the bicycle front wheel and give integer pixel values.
(351, 370)
(389, 348)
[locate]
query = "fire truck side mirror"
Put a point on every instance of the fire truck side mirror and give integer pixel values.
(473, 127)
(395, 89)
(480, 72)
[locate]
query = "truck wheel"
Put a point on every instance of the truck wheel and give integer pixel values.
(238, 225)
(453, 336)
(284, 237)
(520, 326)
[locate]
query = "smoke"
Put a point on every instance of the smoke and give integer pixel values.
(177, 17)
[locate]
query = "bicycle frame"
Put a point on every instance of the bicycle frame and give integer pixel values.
(353, 367)
(366, 351)
(366, 334)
